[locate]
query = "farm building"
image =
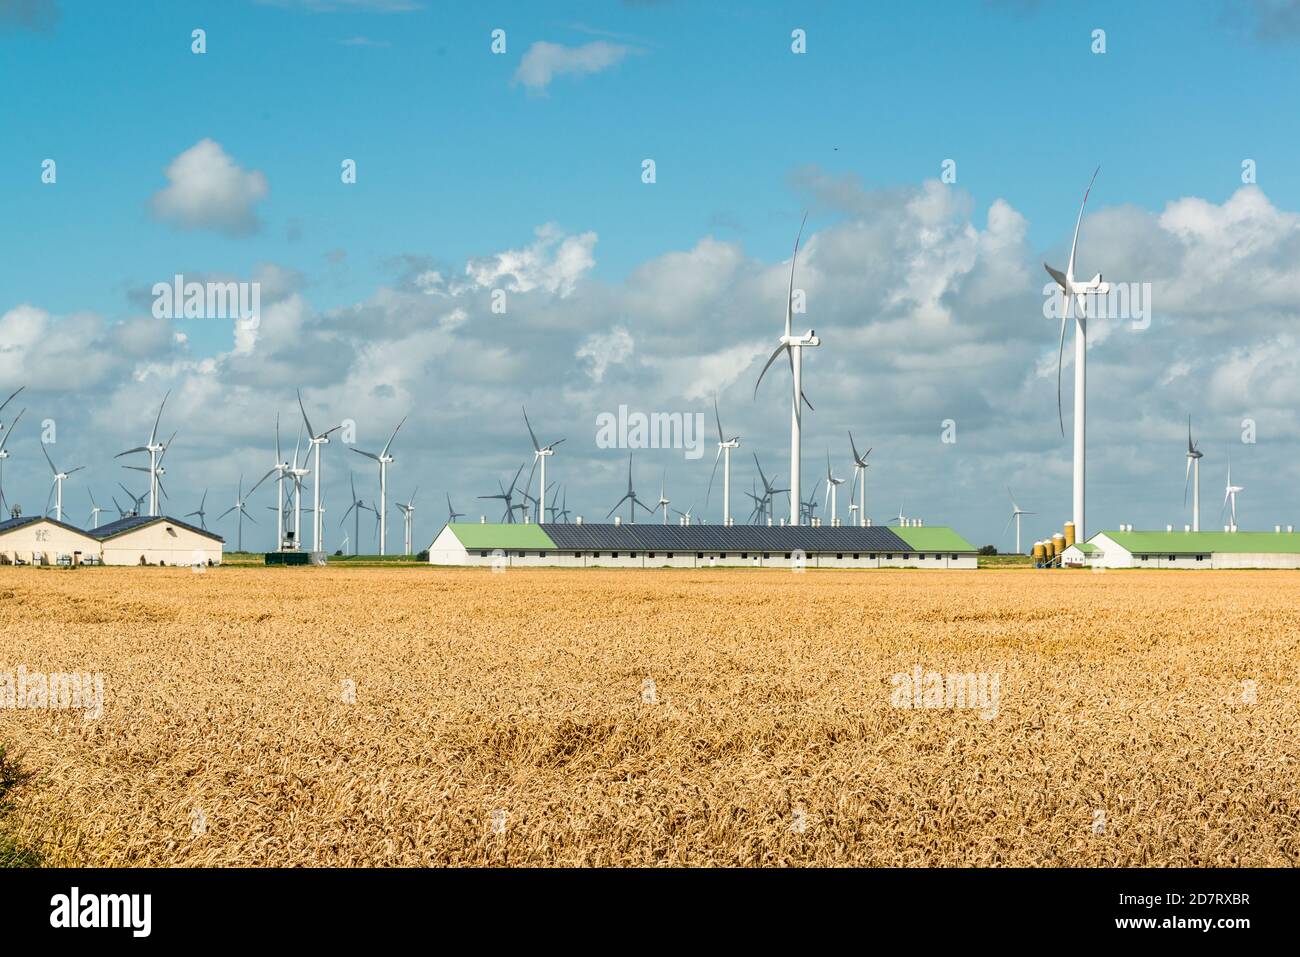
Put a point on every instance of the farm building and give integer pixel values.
(37, 540)
(157, 540)
(1184, 549)
(700, 546)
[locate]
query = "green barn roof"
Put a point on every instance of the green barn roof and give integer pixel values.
(477, 535)
(1204, 543)
(932, 538)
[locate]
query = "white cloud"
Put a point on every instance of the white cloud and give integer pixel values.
(544, 61)
(555, 262)
(603, 350)
(208, 190)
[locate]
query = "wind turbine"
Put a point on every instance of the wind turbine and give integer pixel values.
(200, 511)
(354, 509)
(563, 513)
(630, 497)
(1076, 293)
(281, 470)
(860, 475)
(408, 516)
(506, 497)
(384, 460)
(1016, 512)
(56, 489)
(793, 347)
(94, 510)
(1194, 456)
(156, 471)
(770, 491)
(242, 513)
(297, 473)
(137, 501)
(452, 514)
(4, 454)
(832, 488)
(540, 453)
(664, 501)
(154, 450)
(725, 446)
(1230, 496)
(121, 512)
(808, 509)
(686, 515)
(900, 518)
(316, 441)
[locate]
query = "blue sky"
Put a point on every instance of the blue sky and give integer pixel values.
(459, 160)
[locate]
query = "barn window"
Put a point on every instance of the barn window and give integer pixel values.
(839, 554)
(787, 555)
(856, 556)
(889, 558)
(954, 557)
(1172, 558)
(723, 555)
(766, 555)
(613, 554)
(744, 555)
(699, 554)
(907, 557)
(483, 554)
(872, 556)
(577, 554)
(670, 554)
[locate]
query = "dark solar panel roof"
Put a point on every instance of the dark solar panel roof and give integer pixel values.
(723, 538)
(11, 523)
(138, 521)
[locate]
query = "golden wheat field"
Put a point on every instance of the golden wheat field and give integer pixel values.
(728, 717)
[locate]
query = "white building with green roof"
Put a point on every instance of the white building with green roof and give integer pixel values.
(1123, 548)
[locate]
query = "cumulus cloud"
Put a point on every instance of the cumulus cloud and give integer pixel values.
(208, 190)
(544, 61)
(603, 350)
(555, 262)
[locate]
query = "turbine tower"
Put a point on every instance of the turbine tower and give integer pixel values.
(354, 509)
(384, 460)
(724, 452)
(540, 454)
(198, 511)
(1076, 293)
(56, 489)
(793, 347)
(1016, 512)
(94, 510)
(1194, 456)
(317, 521)
(860, 475)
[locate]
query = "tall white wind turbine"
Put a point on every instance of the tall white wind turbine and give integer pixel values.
(408, 517)
(1076, 294)
(1016, 512)
(860, 469)
(94, 510)
(793, 347)
(316, 440)
(384, 460)
(540, 454)
(832, 488)
(1194, 456)
(1230, 496)
(297, 471)
(56, 489)
(725, 446)
(664, 501)
(155, 450)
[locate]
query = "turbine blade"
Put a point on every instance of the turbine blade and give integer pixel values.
(393, 436)
(716, 459)
(531, 434)
(305, 420)
(772, 358)
(794, 258)
(1187, 481)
